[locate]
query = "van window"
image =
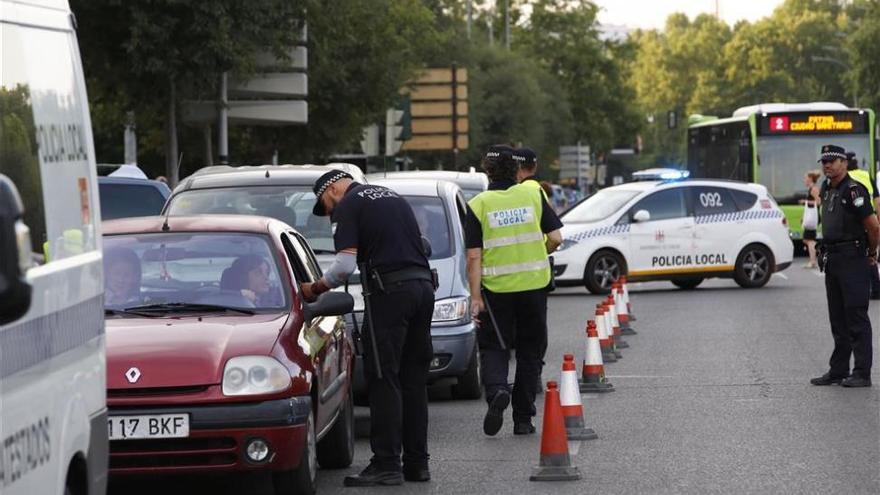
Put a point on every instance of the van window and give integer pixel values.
(44, 140)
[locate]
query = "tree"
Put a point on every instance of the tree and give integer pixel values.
(863, 47)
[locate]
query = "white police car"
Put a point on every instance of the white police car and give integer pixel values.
(682, 231)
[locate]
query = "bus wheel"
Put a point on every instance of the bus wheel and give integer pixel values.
(754, 266)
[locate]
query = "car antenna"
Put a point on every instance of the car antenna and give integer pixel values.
(267, 173)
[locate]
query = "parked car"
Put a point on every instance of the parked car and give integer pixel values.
(440, 210)
(214, 362)
(682, 231)
(126, 197)
(471, 183)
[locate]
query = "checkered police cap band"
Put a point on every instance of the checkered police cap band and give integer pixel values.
(493, 154)
(519, 158)
(831, 155)
(329, 182)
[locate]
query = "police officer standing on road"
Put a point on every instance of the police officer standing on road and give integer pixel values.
(508, 272)
(863, 178)
(528, 168)
(851, 233)
(377, 230)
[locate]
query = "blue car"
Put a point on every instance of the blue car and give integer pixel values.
(126, 197)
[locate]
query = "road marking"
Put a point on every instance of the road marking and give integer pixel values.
(639, 376)
(784, 276)
(819, 274)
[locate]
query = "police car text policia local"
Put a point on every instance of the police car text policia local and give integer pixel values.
(686, 259)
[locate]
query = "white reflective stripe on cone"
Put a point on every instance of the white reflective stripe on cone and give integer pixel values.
(594, 352)
(600, 327)
(513, 240)
(516, 268)
(621, 306)
(569, 391)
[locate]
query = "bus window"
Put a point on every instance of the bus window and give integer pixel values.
(717, 151)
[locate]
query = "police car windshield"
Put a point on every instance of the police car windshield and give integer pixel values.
(434, 224)
(290, 204)
(223, 270)
(599, 206)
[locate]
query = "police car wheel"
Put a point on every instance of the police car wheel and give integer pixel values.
(602, 270)
(754, 266)
(687, 283)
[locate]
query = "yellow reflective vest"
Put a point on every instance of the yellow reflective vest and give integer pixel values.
(514, 256)
(863, 178)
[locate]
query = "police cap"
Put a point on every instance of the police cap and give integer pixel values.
(321, 186)
(526, 157)
(831, 152)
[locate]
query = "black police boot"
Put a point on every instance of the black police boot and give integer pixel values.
(856, 381)
(495, 414)
(374, 476)
(826, 379)
(523, 428)
(416, 473)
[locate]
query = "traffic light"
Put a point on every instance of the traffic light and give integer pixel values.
(398, 126)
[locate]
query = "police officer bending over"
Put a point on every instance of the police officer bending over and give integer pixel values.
(508, 273)
(851, 233)
(376, 229)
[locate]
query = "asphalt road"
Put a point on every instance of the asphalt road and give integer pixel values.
(713, 396)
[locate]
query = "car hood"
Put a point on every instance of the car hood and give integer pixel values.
(184, 351)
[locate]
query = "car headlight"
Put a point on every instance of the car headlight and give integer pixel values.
(566, 243)
(451, 310)
(254, 375)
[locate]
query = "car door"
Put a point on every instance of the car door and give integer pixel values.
(717, 227)
(663, 244)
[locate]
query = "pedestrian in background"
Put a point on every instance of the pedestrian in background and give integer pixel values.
(851, 233)
(864, 179)
(810, 221)
(508, 273)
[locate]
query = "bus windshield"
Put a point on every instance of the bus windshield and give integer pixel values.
(783, 161)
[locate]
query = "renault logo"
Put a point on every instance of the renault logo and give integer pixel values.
(133, 375)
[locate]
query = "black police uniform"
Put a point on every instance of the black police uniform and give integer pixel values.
(522, 322)
(382, 227)
(847, 280)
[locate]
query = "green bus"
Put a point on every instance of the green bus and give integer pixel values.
(775, 144)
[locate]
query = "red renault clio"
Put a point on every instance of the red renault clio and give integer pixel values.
(214, 361)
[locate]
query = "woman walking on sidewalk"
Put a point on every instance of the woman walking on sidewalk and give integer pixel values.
(811, 215)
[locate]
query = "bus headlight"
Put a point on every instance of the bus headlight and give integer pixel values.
(254, 375)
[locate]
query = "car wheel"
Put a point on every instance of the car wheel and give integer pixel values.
(470, 386)
(754, 266)
(687, 283)
(602, 270)
(336, 449)
(300, 480)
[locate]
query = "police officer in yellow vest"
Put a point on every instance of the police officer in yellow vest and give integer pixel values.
(508, 273)
(864, 178)
(528, 168)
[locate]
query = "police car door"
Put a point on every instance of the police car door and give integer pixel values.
(717, 227)
(661, 234)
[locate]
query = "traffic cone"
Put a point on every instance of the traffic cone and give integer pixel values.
(609, 327)
(629, 307)
(615, 324)
(572, 407)
(593, 373)
(622, 311)
(608, 354)
(554, 463)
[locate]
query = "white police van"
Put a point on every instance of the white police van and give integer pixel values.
(683, 231)
(53, 416)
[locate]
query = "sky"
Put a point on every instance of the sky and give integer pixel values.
(649, 14)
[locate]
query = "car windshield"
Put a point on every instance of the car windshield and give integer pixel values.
(434, 224)
(129, 200)
(225, 270)
(290, 204)
(599, 206)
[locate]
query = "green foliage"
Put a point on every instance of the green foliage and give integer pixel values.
(863, 47)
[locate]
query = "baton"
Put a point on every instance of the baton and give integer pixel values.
(492, 317)
(368, 313)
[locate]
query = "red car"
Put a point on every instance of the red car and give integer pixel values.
(214, 362)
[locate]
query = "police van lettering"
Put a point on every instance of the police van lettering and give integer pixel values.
(687, 260)
(511, 217)
(375, 193)
(24, 451)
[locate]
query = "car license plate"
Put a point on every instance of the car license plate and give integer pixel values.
(148, 426)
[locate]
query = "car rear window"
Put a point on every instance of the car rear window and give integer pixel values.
(744, 199)
(712, 200)
(129, 200)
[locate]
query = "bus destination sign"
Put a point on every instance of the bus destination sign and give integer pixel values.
(814, 123)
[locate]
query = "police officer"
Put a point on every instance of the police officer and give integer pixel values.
(851, 233)
(526, 174)
(376, 229)
(864, 178)
(508, 273)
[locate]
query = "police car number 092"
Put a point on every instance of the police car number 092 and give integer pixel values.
(148, 426)
(711, 200)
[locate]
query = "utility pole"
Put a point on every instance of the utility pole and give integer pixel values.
(223, 121)
(492, 28)
(470, 17)
(130, 139)
(507, 24)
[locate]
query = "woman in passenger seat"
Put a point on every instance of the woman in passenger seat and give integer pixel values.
(249, 274)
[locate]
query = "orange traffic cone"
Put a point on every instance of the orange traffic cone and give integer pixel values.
(615, 324)
(609, 327)
(593, 373)
(629, 308)
(608, 355)
(622, 311)
(572, 407)
(555, 463)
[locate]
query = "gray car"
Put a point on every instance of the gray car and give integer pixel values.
(440, 209)
(471, 183)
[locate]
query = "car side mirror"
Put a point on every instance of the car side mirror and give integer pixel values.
(15, 292)
(329, 304)
(642, 216)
